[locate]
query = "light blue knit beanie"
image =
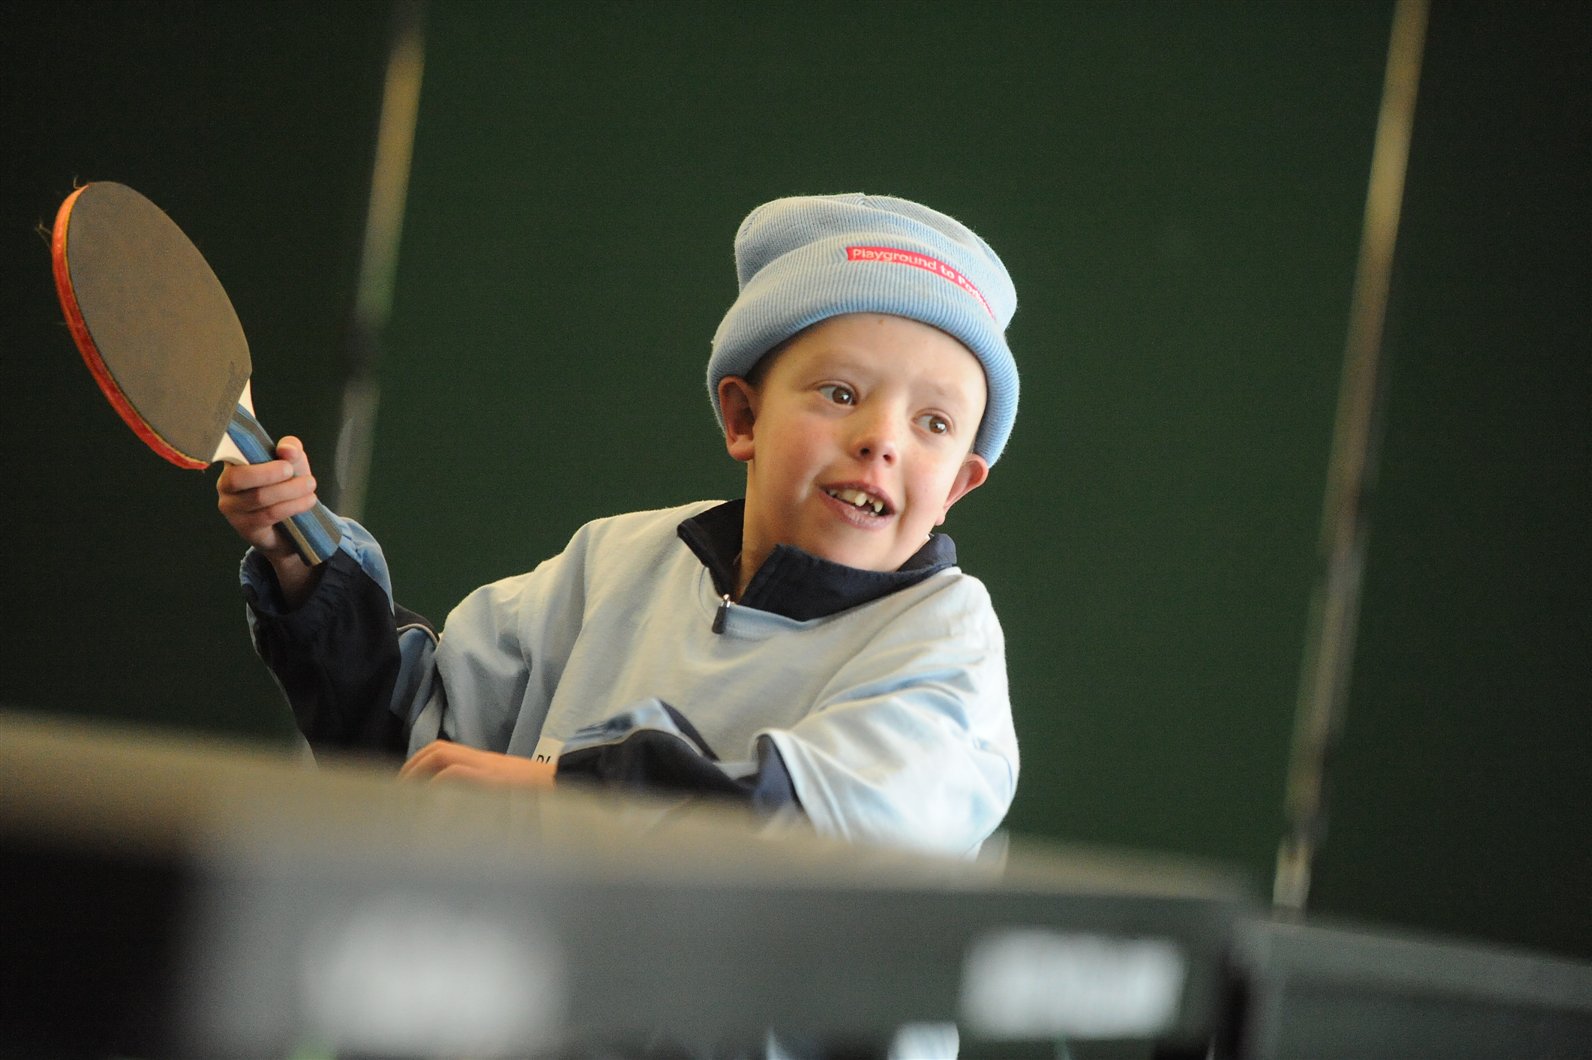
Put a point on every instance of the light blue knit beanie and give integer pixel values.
(805, 259)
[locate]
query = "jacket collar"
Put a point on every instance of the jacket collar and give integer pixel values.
(798, 584)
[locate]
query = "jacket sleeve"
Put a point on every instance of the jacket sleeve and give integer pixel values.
(356, 668)
(362, 673)
(654, 747)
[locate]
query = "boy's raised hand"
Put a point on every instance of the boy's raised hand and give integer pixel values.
(255, 497)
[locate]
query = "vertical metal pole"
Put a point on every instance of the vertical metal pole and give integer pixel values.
(378, 261)
(1335, 608)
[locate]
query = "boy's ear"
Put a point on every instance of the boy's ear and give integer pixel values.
(971, 475)
(738, 406)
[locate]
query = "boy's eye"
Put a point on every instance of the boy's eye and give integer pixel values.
(934, 423)
(839, 393)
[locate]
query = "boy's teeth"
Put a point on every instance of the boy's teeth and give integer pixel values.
(858, 499)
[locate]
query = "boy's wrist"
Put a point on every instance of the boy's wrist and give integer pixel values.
(295, 579)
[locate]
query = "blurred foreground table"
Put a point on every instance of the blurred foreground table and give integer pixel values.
(172, 896)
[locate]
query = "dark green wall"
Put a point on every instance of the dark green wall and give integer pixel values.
(252, 125)
(1177, 189)
(1462, 785)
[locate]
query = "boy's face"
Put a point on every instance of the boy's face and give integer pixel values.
(857, 440)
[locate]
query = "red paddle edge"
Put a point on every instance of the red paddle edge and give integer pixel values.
(90, 352)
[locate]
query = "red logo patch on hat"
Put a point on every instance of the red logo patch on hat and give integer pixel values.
(894, 256)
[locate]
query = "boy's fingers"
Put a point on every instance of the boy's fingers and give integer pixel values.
(240, 478)
(294, 489)
(256, 523)
(255, 513)
(291, 463)
(276, 513)
(427, 760)
(441, 760)
(291, 450)
(461, 771)
(299, 493)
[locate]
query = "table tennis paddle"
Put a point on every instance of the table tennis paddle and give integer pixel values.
(160, 336)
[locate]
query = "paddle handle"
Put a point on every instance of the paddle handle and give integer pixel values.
(314, 533)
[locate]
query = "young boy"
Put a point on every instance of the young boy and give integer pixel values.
(811, 649)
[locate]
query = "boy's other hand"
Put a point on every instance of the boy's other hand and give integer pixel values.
(254, 498)
(442, 760)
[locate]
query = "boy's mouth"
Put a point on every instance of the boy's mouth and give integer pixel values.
(860, 499)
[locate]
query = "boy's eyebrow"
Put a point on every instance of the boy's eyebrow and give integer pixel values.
(950, 393)
(830, 359)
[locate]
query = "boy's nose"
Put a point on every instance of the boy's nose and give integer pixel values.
(876, 441)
